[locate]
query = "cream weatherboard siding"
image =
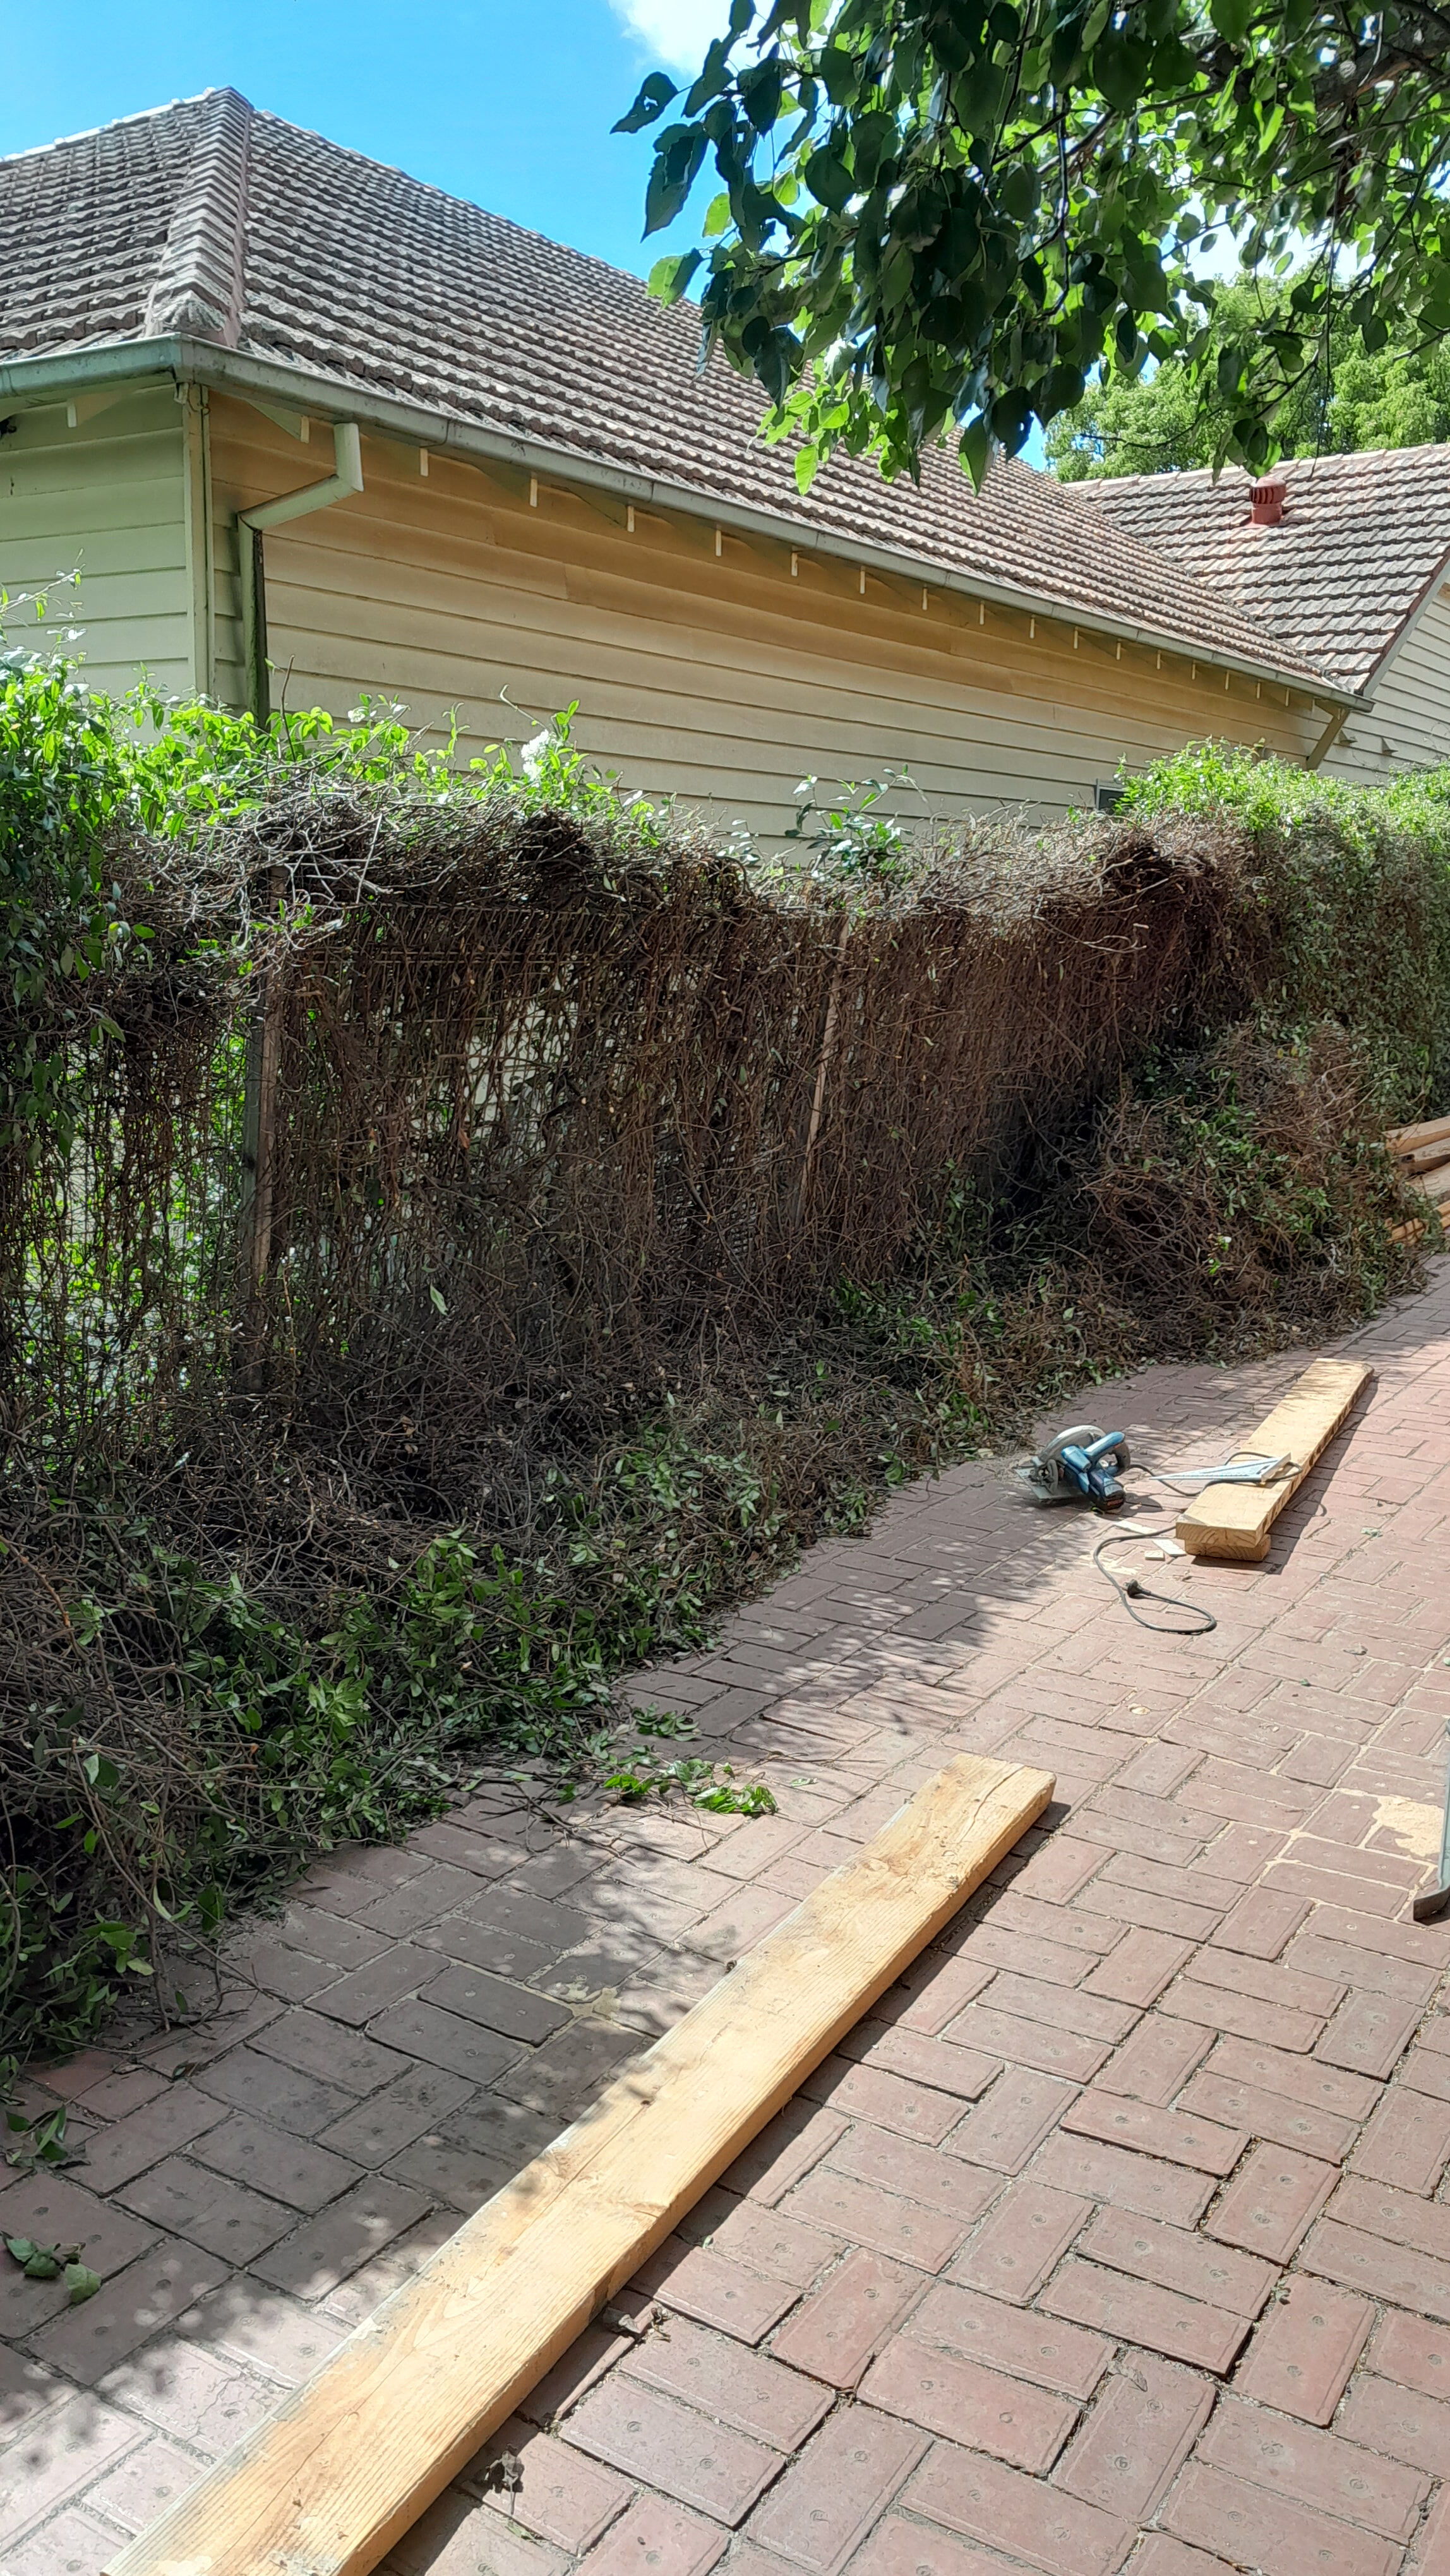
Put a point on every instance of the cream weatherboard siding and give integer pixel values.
(703, 667)
(1408, 726)
(706, 666)
(111, 500)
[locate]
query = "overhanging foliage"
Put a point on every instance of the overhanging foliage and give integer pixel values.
(943, 215)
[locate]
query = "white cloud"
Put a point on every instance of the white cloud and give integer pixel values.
(676, 32)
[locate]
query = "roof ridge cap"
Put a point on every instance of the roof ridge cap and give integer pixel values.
(1171, 477)
(199, 283)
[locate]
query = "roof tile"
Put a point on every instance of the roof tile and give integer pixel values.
(1361, 539)
(212, 220)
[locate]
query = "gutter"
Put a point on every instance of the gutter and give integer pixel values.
(346, 479)
(230, 371)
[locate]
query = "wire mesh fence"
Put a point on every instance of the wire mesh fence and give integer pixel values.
(399, 1123)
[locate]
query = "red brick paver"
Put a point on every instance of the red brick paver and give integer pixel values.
(1116, 2238)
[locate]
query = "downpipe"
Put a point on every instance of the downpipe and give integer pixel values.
(341, 484)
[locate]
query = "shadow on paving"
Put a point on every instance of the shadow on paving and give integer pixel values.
(1037, 2167)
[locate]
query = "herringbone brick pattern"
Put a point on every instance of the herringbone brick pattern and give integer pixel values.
(1113, 2239)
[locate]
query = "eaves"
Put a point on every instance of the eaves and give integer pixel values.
(228, 370)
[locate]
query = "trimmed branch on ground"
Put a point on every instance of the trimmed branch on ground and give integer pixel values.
(486, 1236)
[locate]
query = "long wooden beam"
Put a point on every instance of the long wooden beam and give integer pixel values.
(332, 2480)
(1234, 1521)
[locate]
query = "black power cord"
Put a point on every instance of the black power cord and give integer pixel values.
(1130, 1591)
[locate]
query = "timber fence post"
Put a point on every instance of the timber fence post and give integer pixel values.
(259, 1132)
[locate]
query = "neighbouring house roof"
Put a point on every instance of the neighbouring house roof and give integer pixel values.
(210, 222)
(1362, 540)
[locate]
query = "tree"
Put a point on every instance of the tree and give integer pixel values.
(1144, 424)
(939, 217)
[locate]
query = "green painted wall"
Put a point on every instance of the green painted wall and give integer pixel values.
(108, 499)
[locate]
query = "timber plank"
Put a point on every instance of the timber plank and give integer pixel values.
(1406, 1141)
(1234, 1521)
(330, 2482)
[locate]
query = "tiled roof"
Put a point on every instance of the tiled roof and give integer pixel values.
(1361, 538)
(209, 220)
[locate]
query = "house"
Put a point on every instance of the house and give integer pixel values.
(310, 430)
(1346, 557)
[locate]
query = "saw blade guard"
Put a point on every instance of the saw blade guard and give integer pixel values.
(1083, 1462)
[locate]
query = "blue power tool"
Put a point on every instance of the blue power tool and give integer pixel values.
(1082, 1462)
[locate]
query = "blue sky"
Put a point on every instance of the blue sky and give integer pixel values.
(508, 106)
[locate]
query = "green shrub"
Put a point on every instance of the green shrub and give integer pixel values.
(801, 1176)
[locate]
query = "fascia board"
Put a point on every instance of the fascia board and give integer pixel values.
(232, 371)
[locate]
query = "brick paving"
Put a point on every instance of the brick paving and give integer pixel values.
(1117, 2237)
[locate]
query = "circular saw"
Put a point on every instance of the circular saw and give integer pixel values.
(1082, 1464)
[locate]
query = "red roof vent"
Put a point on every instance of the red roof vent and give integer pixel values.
(1267, 501)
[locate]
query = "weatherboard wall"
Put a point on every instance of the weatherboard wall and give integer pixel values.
(702, 666)
(107, 499)
(1408, 726)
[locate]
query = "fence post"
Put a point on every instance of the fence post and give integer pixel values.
(823, 1067)
(259, 1127)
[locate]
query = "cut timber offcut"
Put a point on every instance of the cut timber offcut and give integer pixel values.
(1404, 1141)
(1422, 1154)
(327, 2485)
(1234, 1520)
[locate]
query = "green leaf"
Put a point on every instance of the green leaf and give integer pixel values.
(1011, 418)
(1063, 391)
(714, 75)
(670, 276)
(38, 2262)
(1232, 18)
(756, 1800)
(760, 93)
(975, 451)
(839, 74)
(438, 1298)
(829, 180)
(81, 2282)
(773, 359)
(654, 96)
(676, 167)
(1020, 190)
(1120, 68)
